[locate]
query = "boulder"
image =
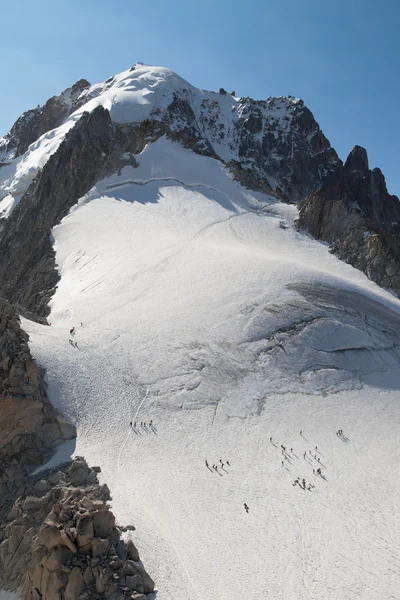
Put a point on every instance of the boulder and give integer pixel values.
(99, 546)
(34, 503)
(75, 585)
(88, 576)
(148, 583)
(59, 557)
(103, 522)
(54, 478)
(121, 550)
(134, 582)
(51, 536)
(52, 583)
(131, 551)
(84, 530)
(79, 476)
(41, 486)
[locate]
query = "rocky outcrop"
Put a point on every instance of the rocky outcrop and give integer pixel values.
(356, 215)
(60, 541)
(58, 537)
(279, 146)
(30, 427)
(37, 121)
(27, 267)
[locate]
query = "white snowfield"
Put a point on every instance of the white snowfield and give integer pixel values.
(205, 312)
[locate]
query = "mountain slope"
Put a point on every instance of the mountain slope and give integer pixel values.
(204, 311)
(356, 215)
(154, 219)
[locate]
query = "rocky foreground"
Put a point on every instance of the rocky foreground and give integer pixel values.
(58, 538)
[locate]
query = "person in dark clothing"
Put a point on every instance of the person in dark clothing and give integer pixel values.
(246, 508)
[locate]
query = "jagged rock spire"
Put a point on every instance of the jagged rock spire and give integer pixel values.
(357, 161)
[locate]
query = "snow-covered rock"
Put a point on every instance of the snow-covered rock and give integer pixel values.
(275, 143)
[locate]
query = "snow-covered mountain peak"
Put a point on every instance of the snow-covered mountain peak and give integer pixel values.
(209, 353)
(274, 145)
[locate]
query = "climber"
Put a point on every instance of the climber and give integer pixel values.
(246, 508)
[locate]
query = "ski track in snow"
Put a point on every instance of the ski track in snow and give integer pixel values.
(188, 300)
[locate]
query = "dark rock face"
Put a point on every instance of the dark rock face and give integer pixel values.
(37, 121)
(289, 154)
(279, 145)
(30, 428)
(27, 267)
(354, 212)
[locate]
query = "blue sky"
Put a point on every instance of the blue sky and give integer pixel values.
(341, 57)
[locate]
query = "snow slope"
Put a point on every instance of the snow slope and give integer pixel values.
(204, 311)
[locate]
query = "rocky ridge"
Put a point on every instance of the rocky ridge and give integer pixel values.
(275, 145)
(59, 540)
(35, 122)
(30, 427)
(356, 215)
(58, 537)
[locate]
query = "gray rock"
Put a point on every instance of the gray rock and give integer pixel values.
(79, 476)
(88, 576)
(131, 550)
(51, 536)
(99, 546)
(116, 564)
(34, 503)
(75, 585)
(104, 523)
(84, 530)
(59, 557)
(134, 582)
(121, 550)
(55, 478)
(42, 486)
(148, 583)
